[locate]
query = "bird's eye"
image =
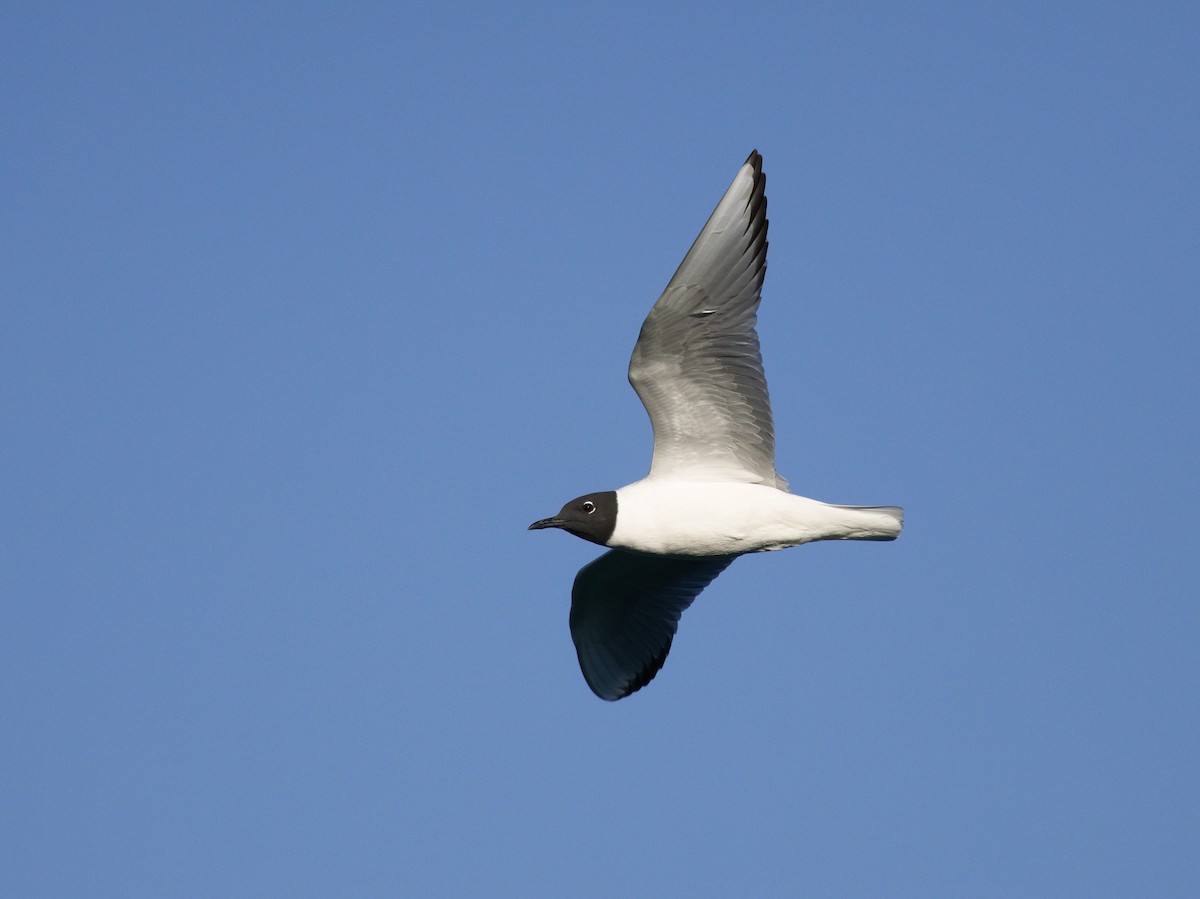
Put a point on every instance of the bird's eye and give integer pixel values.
(589, 507)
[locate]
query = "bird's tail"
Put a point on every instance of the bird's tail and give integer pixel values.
(872, 522)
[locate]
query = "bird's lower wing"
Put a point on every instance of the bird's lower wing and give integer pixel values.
(625, 608)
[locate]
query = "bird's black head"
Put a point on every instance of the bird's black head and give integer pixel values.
(592, 517)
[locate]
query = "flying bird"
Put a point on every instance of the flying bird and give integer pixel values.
(712, 493)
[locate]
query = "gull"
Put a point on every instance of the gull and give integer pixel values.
(712, 493)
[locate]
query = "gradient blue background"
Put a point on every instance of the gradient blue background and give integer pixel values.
(308, 310)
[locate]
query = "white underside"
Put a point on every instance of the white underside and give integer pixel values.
(704, 518)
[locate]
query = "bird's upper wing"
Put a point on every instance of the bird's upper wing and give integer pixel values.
(625, 608)
(697, 365)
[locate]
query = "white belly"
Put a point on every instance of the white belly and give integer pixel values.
(690, 518)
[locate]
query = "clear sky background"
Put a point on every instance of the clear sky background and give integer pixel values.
(309, 310)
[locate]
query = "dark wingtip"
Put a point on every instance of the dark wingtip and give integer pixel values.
(758, 201)
(643, 677)
(647, 674)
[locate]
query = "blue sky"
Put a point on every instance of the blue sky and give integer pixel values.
(309, 310)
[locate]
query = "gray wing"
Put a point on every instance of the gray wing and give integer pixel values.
(697, 365)
(625, 608)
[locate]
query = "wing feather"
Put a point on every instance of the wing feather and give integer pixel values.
(697, 366)
(625, 609)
